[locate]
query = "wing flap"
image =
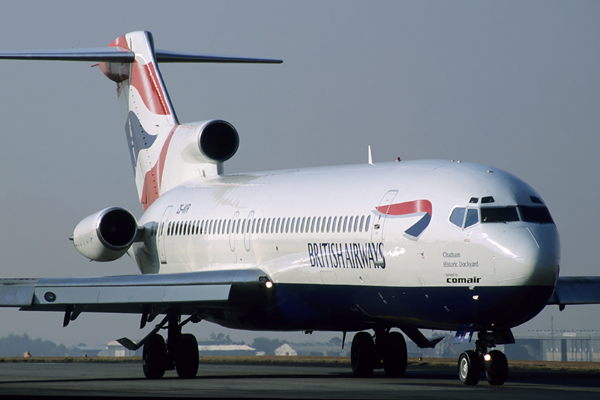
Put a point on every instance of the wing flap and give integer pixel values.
(16, 292)
(576, 290)
(125, 294)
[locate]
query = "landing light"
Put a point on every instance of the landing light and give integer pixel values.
(487, 357)
(266, 282)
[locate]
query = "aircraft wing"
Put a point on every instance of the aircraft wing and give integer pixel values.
(151, 293)
(576, 290)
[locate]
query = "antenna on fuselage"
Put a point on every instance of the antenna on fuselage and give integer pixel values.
(370, 159)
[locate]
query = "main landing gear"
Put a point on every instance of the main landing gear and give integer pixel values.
(472, 362)
(387, 351)
(180, 352)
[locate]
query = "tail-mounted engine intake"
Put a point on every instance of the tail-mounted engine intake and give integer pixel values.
(106, 235)
(217, 140)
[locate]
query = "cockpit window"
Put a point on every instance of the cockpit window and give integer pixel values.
(536, 214)
(472, 217)
(535, 200)
(499, 214)
(539, 215)
(487, 199)
(458, 216)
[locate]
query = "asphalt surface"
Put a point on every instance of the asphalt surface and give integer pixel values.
(285, 381)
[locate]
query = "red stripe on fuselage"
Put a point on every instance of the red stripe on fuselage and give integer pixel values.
(409, 207)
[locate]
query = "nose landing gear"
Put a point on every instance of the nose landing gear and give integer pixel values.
(494, 363)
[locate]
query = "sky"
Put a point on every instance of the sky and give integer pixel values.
(512, 84)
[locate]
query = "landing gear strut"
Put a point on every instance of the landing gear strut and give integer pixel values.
(180, 352)
(387, 351)
(494, 363)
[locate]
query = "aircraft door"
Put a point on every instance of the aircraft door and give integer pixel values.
(162, 235)
(234, 221)
(379, 220)
(248, 230)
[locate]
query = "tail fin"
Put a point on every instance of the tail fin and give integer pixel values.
(132, 62)
(150, 116)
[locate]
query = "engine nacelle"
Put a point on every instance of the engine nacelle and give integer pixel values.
(106, 235)
(217, 140)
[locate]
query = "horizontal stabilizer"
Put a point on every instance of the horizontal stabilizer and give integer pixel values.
(113, 54)
(107, 54)
(178, 57)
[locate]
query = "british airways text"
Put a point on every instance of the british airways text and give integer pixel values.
(346, 255)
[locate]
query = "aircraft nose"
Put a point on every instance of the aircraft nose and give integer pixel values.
(528, 255)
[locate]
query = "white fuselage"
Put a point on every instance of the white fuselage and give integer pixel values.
(334, 226)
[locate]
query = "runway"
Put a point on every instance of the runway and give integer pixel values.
(285, 381)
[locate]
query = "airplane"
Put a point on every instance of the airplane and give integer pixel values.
(382, 247)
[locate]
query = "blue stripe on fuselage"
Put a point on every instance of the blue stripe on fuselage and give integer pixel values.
(346, 307)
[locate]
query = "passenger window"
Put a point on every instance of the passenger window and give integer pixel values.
(302, 225)
(345, 222)
(472, 217)
(362, 221)
(350, 224)
(458, 216)
(368, 223)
